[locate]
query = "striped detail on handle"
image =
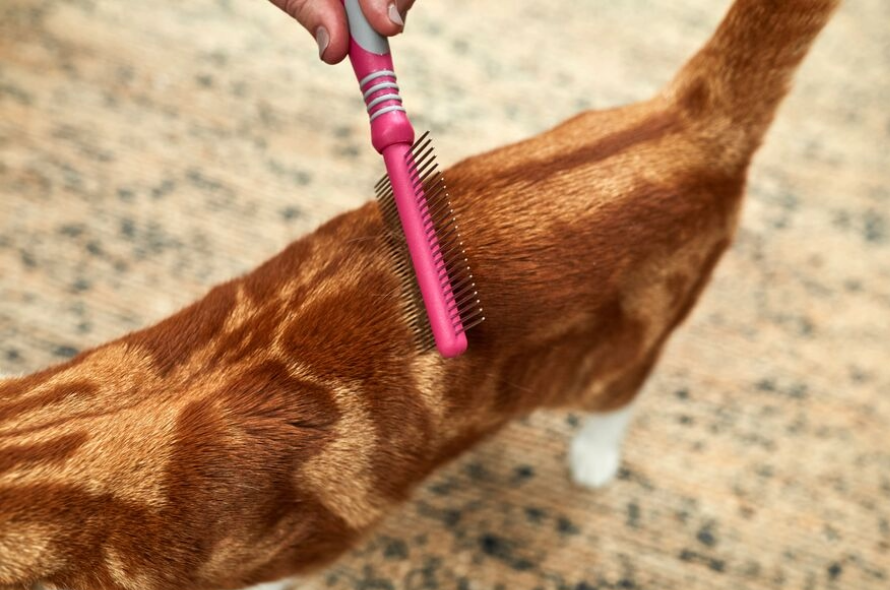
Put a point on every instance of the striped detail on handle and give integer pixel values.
(381, 93)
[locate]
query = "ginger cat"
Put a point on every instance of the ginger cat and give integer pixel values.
(258, 433)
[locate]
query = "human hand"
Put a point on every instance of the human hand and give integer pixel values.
(326, 21)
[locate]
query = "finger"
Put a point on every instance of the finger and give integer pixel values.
(404, 7)
(384, 16)
(326, 22)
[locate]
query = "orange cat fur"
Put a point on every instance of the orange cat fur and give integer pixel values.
(259, 432)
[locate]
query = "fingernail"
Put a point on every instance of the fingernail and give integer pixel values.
(323, 40)
(394, 15)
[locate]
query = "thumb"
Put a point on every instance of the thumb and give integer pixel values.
(387, 17)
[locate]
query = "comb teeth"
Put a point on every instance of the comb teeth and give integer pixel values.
(442, 233)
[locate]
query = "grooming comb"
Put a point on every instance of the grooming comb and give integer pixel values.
(414, 202)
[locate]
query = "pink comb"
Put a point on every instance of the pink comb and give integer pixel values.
(412, 196)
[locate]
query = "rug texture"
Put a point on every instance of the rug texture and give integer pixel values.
(151, 149)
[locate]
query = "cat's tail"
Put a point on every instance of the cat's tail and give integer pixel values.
(735, 83)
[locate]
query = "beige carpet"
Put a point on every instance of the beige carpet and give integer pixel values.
(151, 149)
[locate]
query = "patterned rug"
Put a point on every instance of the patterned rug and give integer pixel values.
(151, 149)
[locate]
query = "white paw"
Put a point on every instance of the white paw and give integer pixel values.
(595, 452)
(593, 465)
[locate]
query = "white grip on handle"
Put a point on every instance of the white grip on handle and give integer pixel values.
(362, 32)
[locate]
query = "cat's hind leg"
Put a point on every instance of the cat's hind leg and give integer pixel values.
(595, 452)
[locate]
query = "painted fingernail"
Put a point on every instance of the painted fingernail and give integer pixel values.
(323, 39)
(394, 15)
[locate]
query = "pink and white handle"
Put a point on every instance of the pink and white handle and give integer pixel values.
(372, 63)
